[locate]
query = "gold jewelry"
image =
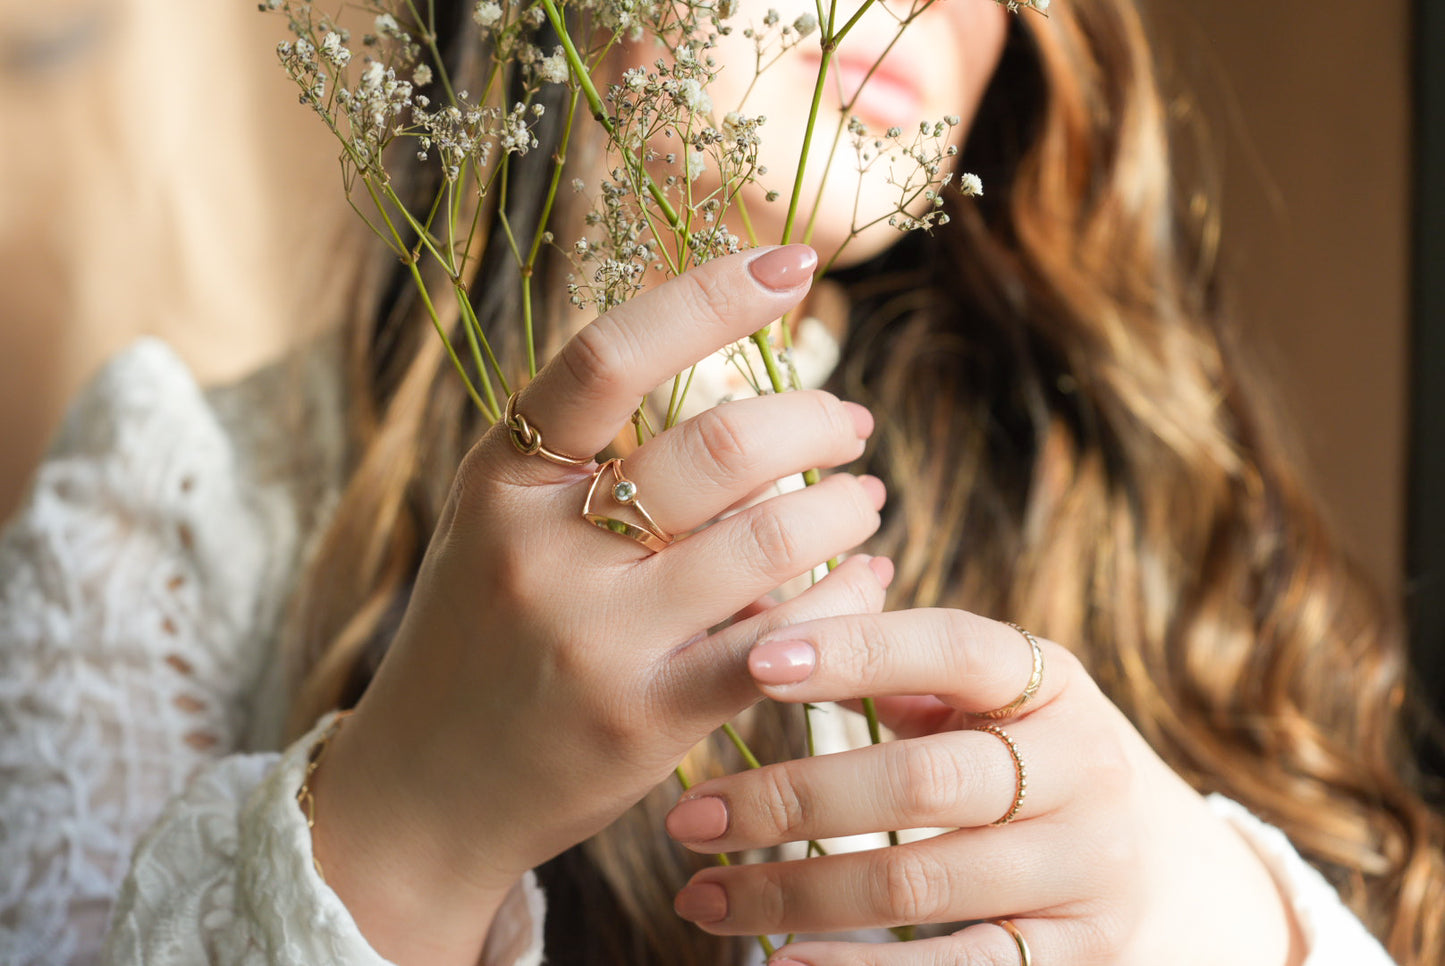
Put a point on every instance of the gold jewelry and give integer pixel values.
(1021, 774)
(1026, 958)
(1036, 678)
(528, 439)
(624, 491)
(304, 797)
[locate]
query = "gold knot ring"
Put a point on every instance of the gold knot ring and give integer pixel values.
(528, 439)
(625, 492)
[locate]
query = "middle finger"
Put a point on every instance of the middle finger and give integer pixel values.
(696, 470)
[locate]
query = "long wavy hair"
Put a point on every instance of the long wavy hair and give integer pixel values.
(1069, 439)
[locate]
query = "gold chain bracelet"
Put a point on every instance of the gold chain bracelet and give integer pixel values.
(304, 797)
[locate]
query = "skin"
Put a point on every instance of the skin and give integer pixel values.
(161, 181)
(505, 726)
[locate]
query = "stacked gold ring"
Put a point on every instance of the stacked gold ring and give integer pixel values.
(1021, 774)
(625, 492)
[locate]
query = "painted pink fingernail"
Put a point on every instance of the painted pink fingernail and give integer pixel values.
(782, 662)
(698, 819)
(702, 902)
(875, 489)
(883, 569)
(862, 419)
(784, 269)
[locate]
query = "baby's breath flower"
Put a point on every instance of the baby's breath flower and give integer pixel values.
(421, 77)
(806, 24)
(691, 95)
(970, 185)
(486, 13)
(696, 164)
(334, 51)
(553, 69)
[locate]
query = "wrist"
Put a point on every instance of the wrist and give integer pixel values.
(402, 875)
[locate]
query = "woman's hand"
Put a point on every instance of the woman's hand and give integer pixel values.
(1111, 858)
(549, 673)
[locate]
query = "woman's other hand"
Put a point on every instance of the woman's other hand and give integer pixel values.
(1111, 858)
(549, 673)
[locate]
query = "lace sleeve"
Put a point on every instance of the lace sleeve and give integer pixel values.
(226, 877)
(135, 586)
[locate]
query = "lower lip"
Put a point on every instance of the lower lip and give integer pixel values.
(884, 99)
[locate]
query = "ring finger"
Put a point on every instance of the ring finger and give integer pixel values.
(950, 780)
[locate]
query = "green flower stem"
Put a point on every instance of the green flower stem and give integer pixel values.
(428, 23)
(489, 407)
(474, 328)
(829, 46)
(474, 325)
(837, 38)
(559, 161)
(599, 110)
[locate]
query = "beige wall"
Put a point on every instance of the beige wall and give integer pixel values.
(1309, 110)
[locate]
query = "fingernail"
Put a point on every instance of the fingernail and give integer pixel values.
(702, 902)
(782, 662)
(862, 419)
(698, 819)
(786, 962)
(875, 489)
(883, 569)
(783, 269)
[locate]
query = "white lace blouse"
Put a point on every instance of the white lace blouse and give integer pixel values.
(145, 815)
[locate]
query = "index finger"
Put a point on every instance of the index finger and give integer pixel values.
(587, 393)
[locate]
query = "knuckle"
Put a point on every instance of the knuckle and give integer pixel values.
(830, 412)
(782, 805)
(595, 358)
(930, 780)
(771, 897)
(914, 884)
(1102, 937)
(708, 296)
(774, 543)
(722, 442)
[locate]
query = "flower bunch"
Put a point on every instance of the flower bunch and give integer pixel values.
(677, 174)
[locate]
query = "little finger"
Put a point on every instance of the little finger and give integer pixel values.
(966, 875)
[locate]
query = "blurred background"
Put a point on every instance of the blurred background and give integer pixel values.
(1327, 129)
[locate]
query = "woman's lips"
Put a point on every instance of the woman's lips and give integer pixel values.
(888, 98)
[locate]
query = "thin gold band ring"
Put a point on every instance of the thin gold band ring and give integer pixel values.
(1021, 774)
(1036, 678)
(1026, 958)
